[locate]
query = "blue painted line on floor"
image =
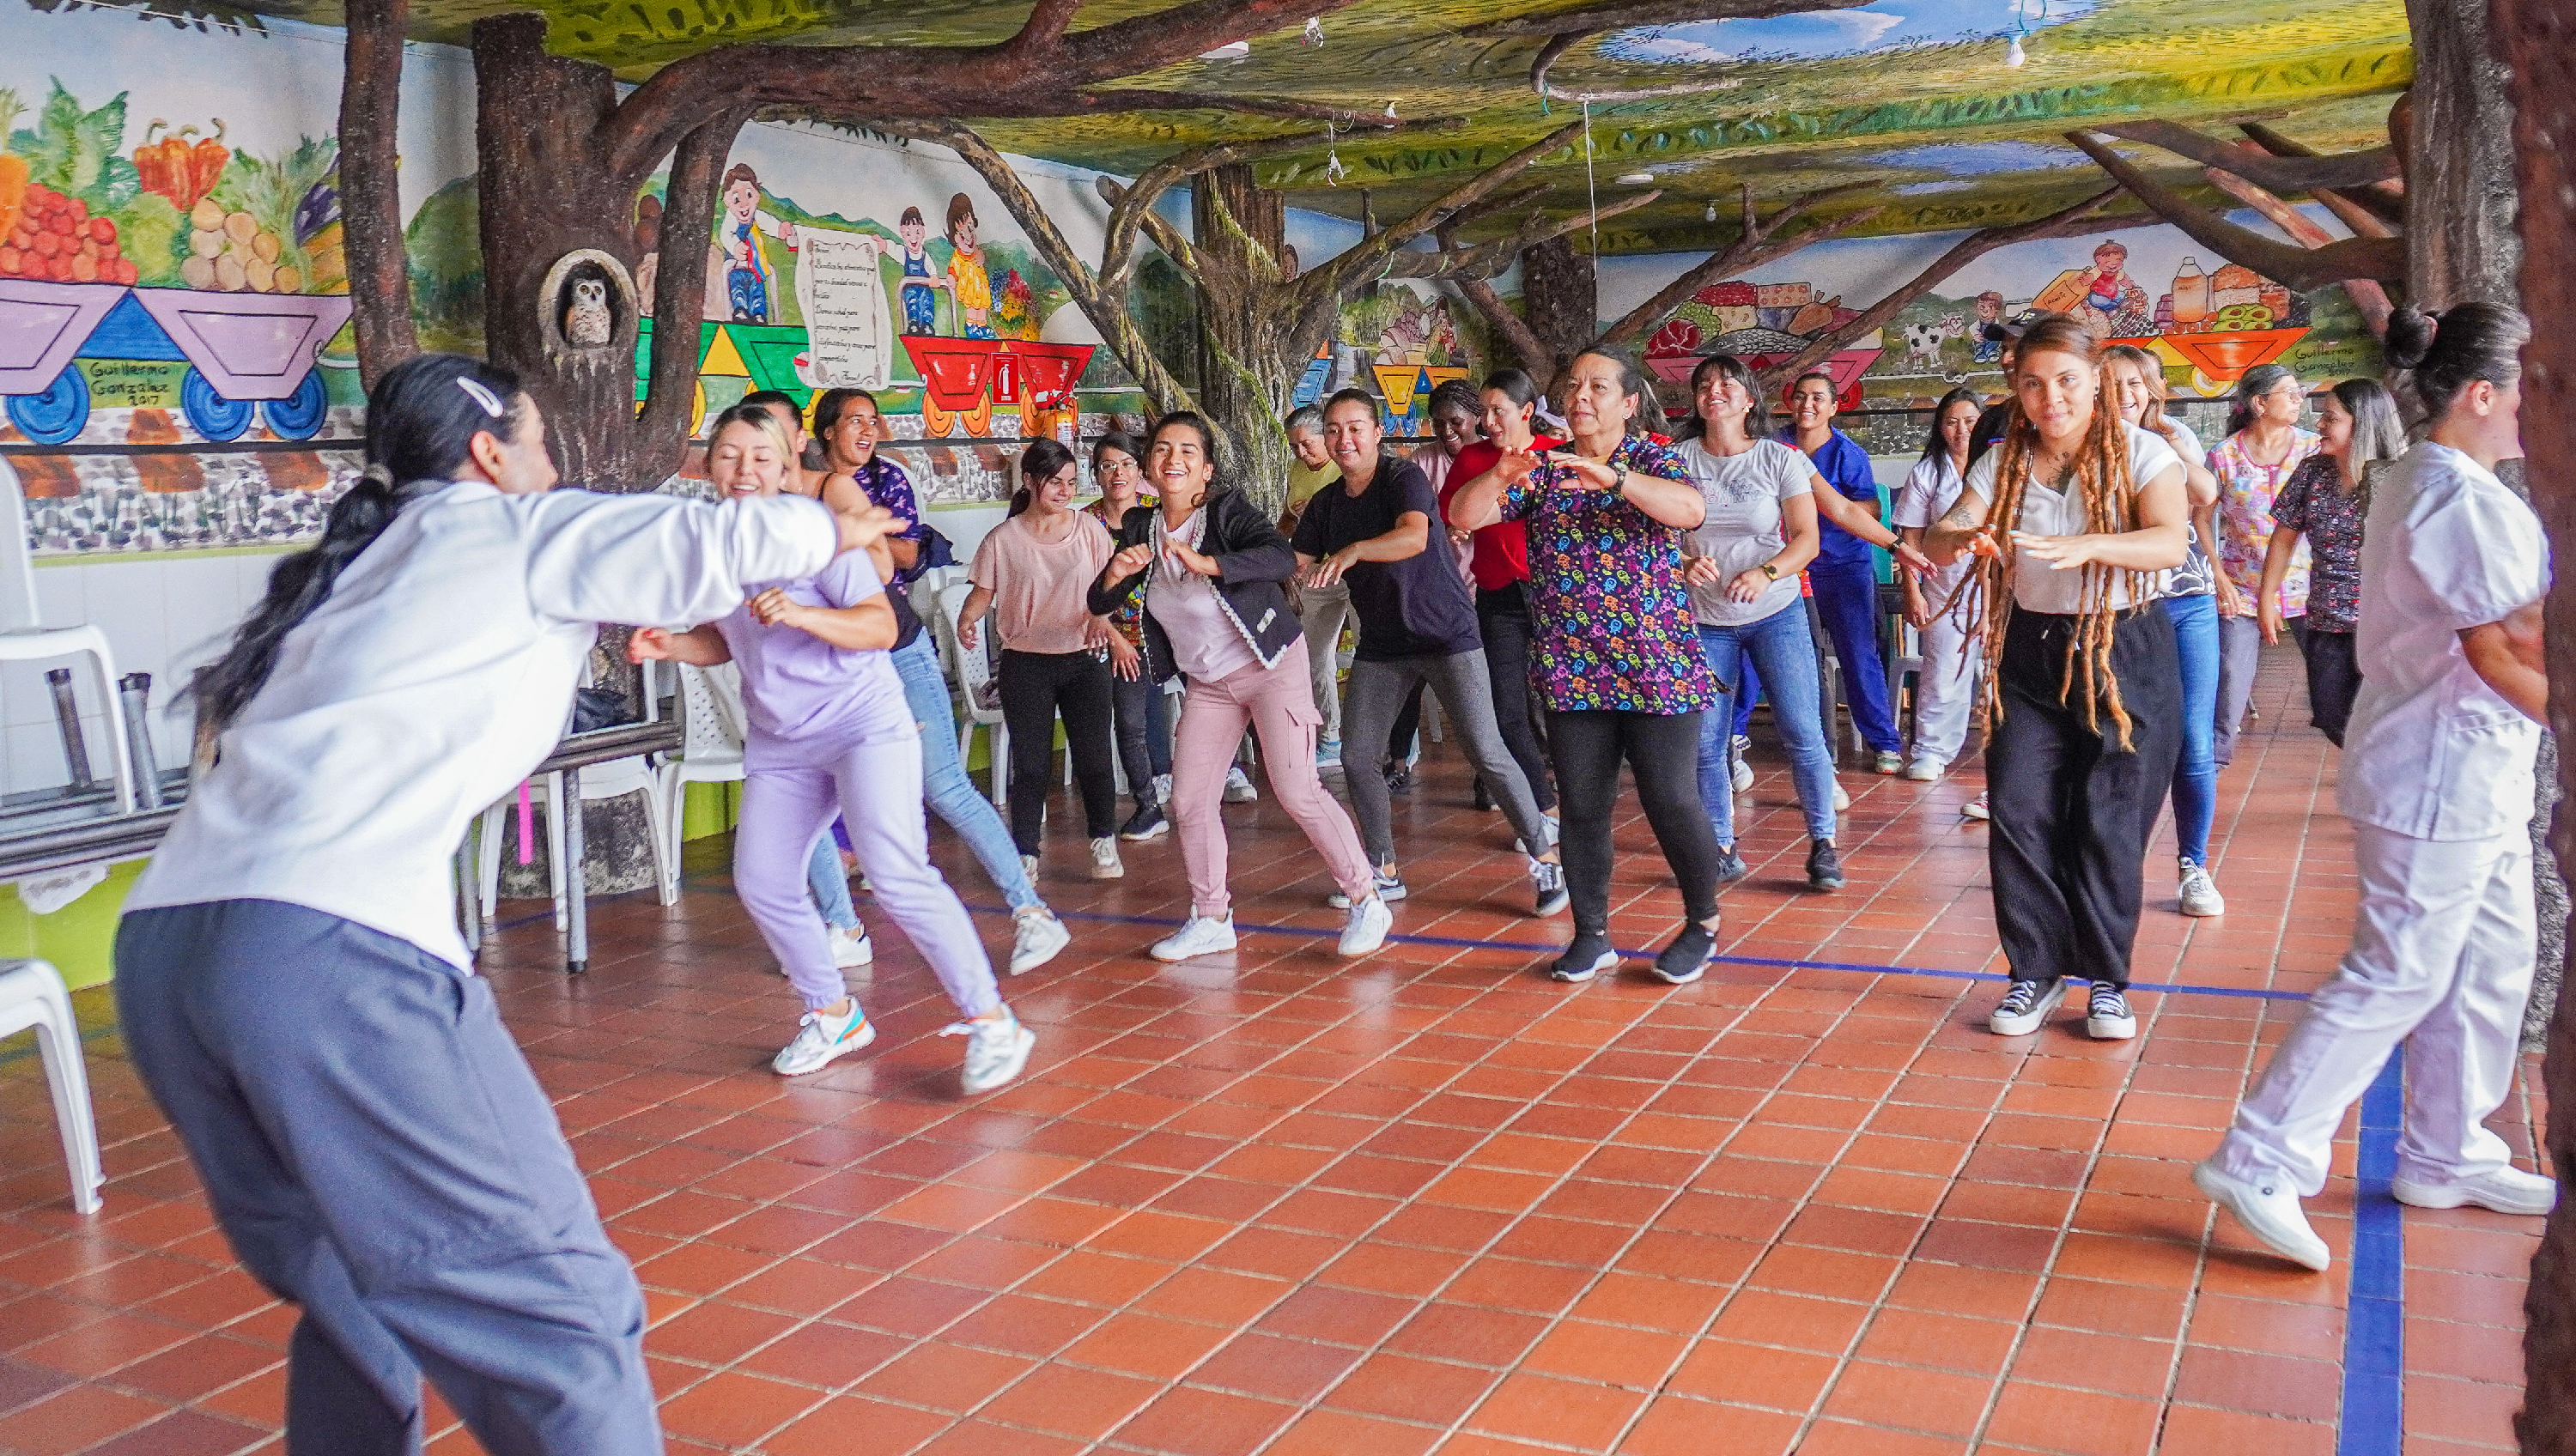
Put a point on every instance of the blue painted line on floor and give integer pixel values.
(2374, 1336)
(1522, 947)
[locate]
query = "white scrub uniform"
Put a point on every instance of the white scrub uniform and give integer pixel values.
(2437, 781)
(1951, 655)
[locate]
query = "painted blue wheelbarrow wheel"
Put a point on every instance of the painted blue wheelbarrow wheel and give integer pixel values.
(57, 414)
(214, 416)
(299, 415)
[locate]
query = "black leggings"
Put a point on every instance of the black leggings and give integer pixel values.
(1036, 686)
(1503, 617)
(1662, 752)
(2068, 844)
(2334, 680)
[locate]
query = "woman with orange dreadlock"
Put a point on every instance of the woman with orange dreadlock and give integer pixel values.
(2073, 519)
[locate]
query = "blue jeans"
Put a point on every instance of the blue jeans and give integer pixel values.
(943, 775)
(830, 885)
(2195, 780)
(1783, 652)
(1847, 600)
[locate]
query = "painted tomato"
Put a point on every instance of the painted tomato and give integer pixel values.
(1677, 336)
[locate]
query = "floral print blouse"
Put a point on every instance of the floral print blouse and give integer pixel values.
(1610, 621)
(2328, 520)
(2246, 491)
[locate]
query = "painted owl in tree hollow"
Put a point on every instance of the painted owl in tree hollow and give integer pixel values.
(587, 322)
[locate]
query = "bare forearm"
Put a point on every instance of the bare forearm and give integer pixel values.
(2276, 559)
(2515, 676)
(1946, 539)
(867, 627)
(1406, 541)
(2148, 548)
(1478, 503)
(700, 647)
(1854, 517)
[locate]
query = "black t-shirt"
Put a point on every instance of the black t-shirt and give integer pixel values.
(1417, 607)
(1988, 432)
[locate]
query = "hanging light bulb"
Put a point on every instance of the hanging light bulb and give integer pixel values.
(2014, 56)
(1709, 214)
(1314, 30)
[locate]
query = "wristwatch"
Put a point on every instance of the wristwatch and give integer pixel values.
(1770, 571)
(1619, 480)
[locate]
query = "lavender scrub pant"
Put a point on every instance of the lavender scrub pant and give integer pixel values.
(876, 789)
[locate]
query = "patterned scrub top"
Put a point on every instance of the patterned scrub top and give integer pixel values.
(2246, 490)
(1130, 618)
(1611, 627)
(2328, 520)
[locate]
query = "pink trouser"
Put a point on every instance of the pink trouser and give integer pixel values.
(1278, 703)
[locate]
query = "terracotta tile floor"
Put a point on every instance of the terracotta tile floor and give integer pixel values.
(1426, 1201)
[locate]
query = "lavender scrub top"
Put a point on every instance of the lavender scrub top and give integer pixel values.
(806, 699)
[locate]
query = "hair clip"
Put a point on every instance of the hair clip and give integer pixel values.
(475, 391)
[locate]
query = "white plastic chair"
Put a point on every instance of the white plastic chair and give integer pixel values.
(614, 779)
(711, 723)
(973, 669)
(25, 638)
(32, 995)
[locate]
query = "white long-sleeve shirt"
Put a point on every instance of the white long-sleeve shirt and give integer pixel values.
(435, 677)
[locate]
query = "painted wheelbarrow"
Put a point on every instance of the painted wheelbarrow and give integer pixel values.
(963, 379)
(2219, 358)
(245, 352)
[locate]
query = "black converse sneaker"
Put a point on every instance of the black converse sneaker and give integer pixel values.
(2107, 1016)
(2025, 1007)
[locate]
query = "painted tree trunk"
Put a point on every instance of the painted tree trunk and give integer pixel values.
(1250, 353)
(2537, 39)
(1561, 299)
(2458, 152)
(371, 190)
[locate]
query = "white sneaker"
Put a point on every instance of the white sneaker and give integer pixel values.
(1842, 800)
(996, 1050)
(2269, 1210)
(1366, 931)
(1036, 939)
(821, 1038)
(1924, 771)
(1238, 788)
(2200, 895)
(2506, 1190)
(1162, 788)
(1976, 808)
(1104, 859)
(2025, 1007)
(1029, 867)
(1743, 771)
(851, 950)
(1197, 937)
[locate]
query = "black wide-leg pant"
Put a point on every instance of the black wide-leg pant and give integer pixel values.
(2072, 810)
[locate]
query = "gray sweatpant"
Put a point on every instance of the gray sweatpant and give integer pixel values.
(2240, 653)
(1322, 611)
(1377, 692)
(379, 1154)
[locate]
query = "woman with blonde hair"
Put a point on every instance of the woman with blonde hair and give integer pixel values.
(2072, 518)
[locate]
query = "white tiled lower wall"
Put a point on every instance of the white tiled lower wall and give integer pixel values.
(162, 615)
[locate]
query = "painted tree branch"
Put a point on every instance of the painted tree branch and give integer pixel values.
(689, 201)
(1045, 70)
(1486, 260)
(370, 192)
(2366, 296)
(1758, 243)
(2274, 174)
(1514, 330)
(1554, 50)
(2066, 222)
(2385, 201)
(2381, 260)
(1368, 257)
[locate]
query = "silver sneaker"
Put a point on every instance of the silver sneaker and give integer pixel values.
(1366, 931)
(1238, 787)
(1029, 867)
(1743, 776)
(1842, 798)
(1105, 864)
(996, 1050)
(821, 1039)
(1547, 886)
(2200, 895)
(1036, 939)
(1197, 937)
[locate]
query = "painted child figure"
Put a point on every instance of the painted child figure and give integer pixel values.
(748, 276)
(1988, 333)
(830, 732)
(920, 286)
(968, 281)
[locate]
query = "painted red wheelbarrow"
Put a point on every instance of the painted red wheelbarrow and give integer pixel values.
(963, 379)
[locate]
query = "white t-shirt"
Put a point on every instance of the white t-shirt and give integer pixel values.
(2197, 576)
(1931, 488)
(2039, 586)
(2432, 751)
(1743, 528)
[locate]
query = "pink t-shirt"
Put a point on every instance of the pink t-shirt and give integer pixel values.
(1041, 590)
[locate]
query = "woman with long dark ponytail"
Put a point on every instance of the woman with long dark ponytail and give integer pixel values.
(2437, 781)
(289, 977)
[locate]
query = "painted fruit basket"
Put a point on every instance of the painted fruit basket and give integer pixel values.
(247, 353)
